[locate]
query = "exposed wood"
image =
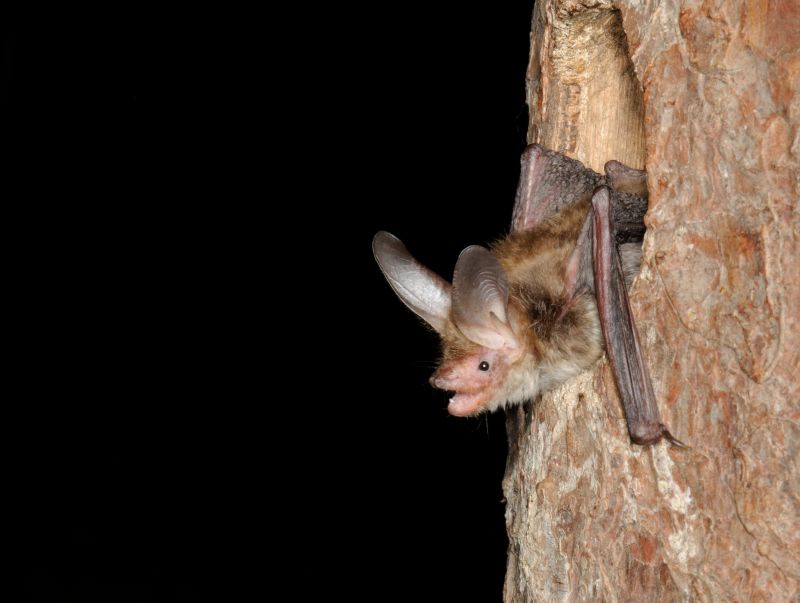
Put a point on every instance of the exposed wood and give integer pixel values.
(583, 96)
(591, 516)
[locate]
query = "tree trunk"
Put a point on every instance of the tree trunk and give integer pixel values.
(591, 516)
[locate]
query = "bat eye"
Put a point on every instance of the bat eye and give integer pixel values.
(484, 366)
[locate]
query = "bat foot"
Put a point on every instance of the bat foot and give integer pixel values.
(672, 439)
(653, 436)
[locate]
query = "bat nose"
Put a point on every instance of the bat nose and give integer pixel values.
(438, 381)
(446, 378)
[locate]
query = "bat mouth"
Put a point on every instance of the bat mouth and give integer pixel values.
(465, 404)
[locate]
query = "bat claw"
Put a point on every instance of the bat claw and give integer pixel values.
(654, 438)
(672, 439)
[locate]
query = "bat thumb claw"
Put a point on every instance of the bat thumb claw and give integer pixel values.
(672, 439)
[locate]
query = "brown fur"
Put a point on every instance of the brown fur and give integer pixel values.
(535, 262)
(455, 345)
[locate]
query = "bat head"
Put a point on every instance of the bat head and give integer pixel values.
(476, 375)
(483, 354)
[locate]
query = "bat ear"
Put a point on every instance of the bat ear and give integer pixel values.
(426, 293)
(480, 299)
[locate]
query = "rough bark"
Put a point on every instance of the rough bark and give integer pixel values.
(591, 516)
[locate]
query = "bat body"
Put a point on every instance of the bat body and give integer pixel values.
(545, 301)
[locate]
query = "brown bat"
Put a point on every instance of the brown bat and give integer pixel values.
(538, 308)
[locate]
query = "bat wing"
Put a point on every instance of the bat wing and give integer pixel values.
(616, 321)
(549, 182)
(624, 179)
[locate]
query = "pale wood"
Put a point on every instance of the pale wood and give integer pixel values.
(583, 96)
(590, 516)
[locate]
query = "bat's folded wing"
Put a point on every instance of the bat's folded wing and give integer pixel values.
(619, 331)
(548, 183)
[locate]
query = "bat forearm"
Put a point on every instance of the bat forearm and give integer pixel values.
(619, 331)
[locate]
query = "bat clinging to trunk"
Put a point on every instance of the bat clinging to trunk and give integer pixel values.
(541, 306)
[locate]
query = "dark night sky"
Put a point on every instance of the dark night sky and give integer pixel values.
(211, 368)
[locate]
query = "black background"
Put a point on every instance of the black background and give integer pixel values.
(214, 390)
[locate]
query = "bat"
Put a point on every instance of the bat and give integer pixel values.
(544, 302)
